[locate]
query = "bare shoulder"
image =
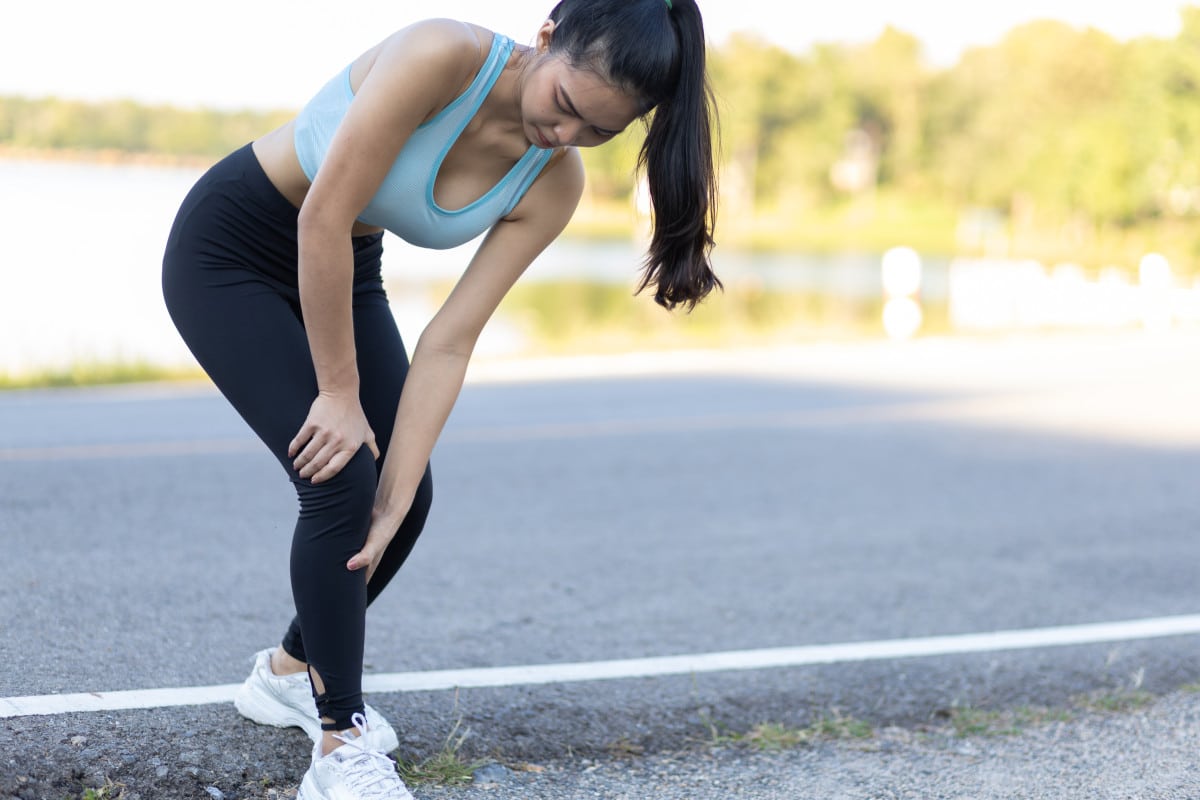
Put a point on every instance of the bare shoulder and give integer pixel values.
(438, 54)
(448, 40)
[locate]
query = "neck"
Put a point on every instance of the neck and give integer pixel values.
(503, 103)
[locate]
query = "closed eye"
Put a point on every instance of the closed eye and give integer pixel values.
(567, 107)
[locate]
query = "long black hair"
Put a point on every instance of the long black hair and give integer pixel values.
(654, 50)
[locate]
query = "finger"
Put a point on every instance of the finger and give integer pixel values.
(362, 558)
(303, 436)
(375, 544)
(308, 463)
(317, 454)
(311, 450)
(312, 469)
(330, 467)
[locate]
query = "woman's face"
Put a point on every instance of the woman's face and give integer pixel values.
(562, 106)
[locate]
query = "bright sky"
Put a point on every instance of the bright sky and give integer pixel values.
(276, 53)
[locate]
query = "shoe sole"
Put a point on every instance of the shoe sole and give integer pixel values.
(309, 791)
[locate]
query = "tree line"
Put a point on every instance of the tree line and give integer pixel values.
(1062, 140)
(1054, 134)
(127, 127)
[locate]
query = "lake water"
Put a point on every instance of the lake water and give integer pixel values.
(81, 248)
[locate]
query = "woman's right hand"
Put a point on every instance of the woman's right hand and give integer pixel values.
(333, 432)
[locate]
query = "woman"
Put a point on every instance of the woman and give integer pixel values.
(440, 133)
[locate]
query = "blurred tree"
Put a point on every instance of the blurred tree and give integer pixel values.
(1171, 115)
(888, 83)
(1036, 122)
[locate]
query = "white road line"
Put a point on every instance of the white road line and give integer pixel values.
(641, 667)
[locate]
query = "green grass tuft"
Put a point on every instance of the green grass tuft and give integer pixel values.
(978, 722)
(837, 726)
(109, 791)
(1120, 701)
(774, 737)
(447, 767)
(968, 721)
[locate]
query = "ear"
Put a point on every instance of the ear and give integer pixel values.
(544, 34)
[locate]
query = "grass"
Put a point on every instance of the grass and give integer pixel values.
(447, 767)
(623, 748)
(775, 737)
(837, 726)
(109, 791)
(968, 721)
(1119, 702)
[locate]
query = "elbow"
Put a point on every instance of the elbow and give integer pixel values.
(317, 221)
(456, 350)
(312, 224)
(447, 341)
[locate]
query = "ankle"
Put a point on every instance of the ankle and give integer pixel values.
(330, 742)
(284, 664)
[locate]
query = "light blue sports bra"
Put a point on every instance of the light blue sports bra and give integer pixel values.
(404, 203)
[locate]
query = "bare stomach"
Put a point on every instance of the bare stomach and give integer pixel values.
(276, 152)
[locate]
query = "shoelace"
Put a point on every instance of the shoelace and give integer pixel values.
(369, 772)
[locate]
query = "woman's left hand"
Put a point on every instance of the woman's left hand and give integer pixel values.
(383, 528)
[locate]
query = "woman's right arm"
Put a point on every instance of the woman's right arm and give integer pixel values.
(439, 362)
(416, 72)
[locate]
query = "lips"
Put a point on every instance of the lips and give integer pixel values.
(543, 142)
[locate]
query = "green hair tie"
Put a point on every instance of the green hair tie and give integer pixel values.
(669, 6)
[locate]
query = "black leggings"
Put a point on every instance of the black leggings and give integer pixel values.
(229, 280)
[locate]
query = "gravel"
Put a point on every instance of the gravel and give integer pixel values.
(1149, 753)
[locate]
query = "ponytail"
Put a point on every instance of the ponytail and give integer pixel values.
(655, 50)
(677, 156)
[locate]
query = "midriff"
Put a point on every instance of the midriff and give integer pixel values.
(276, 152)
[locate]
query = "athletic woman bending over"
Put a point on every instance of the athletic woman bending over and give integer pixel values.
(442, 132)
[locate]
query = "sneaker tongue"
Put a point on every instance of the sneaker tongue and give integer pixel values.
(375, 740)
(371, 740)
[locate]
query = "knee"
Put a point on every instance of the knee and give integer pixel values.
(350, 493)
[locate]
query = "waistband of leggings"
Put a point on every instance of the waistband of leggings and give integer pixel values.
(244, 164)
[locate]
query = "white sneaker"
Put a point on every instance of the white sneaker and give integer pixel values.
(286, 701)
(358, 770)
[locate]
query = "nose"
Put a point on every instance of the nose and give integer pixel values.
(568, 131)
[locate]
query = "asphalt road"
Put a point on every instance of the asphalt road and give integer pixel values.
(642, 507)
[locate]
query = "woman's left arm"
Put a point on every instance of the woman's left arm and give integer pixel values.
(439, 362)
